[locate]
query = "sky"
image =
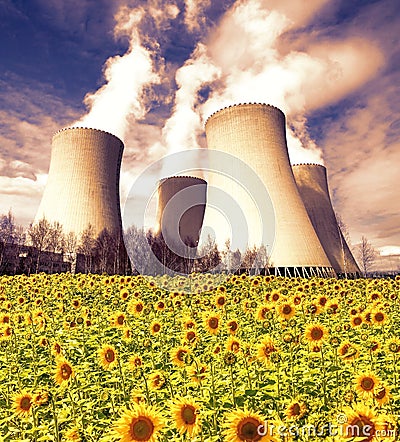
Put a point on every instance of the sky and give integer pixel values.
(163, 67)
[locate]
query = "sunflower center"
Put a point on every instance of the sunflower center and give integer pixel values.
(316, 334)
(275, 297)
(380, 394)
(120, 320)
(139, 307)
(180, 355)
(141, 428)
(295, 409)
(109, 355)
(247, 429)
(233, 326)
(287, 310)
(213, 323)
(357, 321)
(156, 328)
(66, 371)
(221, 301)
(268, 350)
(190, 336)
(188, 414)
(367, 384)
(25, 404)
(379, 317)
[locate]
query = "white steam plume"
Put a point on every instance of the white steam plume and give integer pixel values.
(126, 77)
(257, 67)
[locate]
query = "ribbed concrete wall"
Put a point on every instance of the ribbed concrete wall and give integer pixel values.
(256, 134)
(83, 181)
(180, 213)
(311, 180)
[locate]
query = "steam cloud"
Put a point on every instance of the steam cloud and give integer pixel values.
(126, 76)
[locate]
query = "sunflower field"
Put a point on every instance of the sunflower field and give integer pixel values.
(198, 358)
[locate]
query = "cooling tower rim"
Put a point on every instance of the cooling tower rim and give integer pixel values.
(64, 129)
(241, 104)
(162, 180)
(308, 164)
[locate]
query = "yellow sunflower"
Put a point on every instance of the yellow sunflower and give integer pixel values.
(382, 394)
(232, 326)
(157, 381)
(220, 300)
(262, 312)
(72, 435)
(134, 362)
(136, 307)
(118, 319)
(378, 317)
(23, 403)
(63, 372)
(296, 409)
(185, 416)
(244, 425)
(155, 328)
(316, 333)
(179, 354)
(362, 424)
(348, 351)
(366, 383)
(141, 423)
(286, 310)
(212, 323)
(233, 345)
(265, 349)
(393, 345)
(356, 321)
(107, 357)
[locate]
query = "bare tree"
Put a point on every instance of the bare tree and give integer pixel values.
(10, 235)
(343, 228)
(71, 246)
(56, 242)
(87, 246)
(105, 250)
(39, 235)
(366, 254)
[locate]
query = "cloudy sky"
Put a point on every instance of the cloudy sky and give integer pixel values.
(162, 67)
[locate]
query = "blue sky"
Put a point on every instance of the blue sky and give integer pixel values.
(333, 67)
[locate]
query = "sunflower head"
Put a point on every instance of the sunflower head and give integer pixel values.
(366, 384)
(212, 323)
(316, 333)
(63, 372)
(107, 357)
(141, 423)
(185, 416)
(243, 425)
(23, 404)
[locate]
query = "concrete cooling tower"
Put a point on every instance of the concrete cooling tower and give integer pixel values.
(256, 134)
(311, 180)
(83, 181)
(180, 213)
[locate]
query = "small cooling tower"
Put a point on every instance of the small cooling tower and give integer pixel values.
(180, 213)
(83, 182)
(312, 183)
(181, 206)
(256, 134)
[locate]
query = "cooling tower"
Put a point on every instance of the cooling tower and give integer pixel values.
(83, 181)
(180, 213)
(312, 183)
(256, 134)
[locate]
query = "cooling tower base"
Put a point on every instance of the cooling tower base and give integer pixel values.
(303, 272)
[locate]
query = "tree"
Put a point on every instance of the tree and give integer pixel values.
(11, 234)
(366, 254)
(39, 235)
(87, 247)
(70, 248)
(105, 249)
(56, 241)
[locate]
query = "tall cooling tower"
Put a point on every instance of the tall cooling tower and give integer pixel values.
(256, 134)
(312, 183)
(180, 213)
(83, 181)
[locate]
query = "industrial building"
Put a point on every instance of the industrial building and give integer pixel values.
(83, 184)
(312, 182)
(256, 134)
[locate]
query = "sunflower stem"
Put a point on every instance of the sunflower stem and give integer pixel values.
(122, 379)
(232, 384)
(53, 406)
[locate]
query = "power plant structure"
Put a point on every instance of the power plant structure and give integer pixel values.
(83, 183)
(256, 134)
(312, 182)
(180, 213)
